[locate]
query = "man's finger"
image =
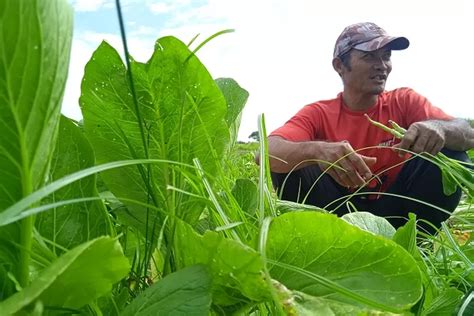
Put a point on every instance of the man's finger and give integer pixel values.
(351, 172)
(336, 177)
(408, 139)
(361, 164)
(369, 161)
(420, 144)
(396, 148)
(434, 146)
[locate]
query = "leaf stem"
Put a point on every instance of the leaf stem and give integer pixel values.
(454, 174)
(27, 224)
(25, 250)
(392, 131)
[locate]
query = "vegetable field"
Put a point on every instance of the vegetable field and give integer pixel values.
(150, 207)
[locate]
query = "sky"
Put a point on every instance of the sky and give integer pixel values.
(281, 50)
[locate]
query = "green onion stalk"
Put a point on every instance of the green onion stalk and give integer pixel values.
(454, 173)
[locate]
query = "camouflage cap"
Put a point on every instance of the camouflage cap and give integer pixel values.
(367, 37)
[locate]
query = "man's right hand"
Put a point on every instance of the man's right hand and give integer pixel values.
(350, 169)
(343, 164)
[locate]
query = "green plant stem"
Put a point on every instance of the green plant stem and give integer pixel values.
(27, 224)
(392, 131)
(262, 249)
(397, 127)
(26, 238)
(451, 169)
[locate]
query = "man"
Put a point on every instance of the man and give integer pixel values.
(365, 157)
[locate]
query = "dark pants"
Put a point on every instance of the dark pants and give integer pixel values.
(419, 179)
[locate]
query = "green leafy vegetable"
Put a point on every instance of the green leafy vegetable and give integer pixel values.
(371, 223)
(307, 305)
(35, 43)
(73, 281)
(186, 292)
(183, 117)
(355, 264)
(237, 270)
(453, 172)
(245, 193)
(445, 303)
(235, 97)
(76, 223)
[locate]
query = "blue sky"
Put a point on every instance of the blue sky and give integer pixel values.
(281, 50)
(142, 16)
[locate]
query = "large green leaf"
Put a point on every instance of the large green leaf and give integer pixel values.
(445, 303)
(181, 116)
(235, 97)
(362, 264)
(405, 236)
(306, 305)
(371, 223)
(235, 268)
(302, 304)
(186, 292)
(75, 279)
(73, 224)
(8, 257)
(35, 40)
(438, 297)
(245, 193)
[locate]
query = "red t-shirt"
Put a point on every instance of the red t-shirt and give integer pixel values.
(333, 121)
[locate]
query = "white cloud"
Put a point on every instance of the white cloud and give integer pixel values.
(282, 49)
(168, 6)
(96, 5)
(142, 30)
(91, 5)
(160, 7)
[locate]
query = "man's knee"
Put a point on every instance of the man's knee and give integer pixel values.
(307, 185)
(457, 155)
(295, 185)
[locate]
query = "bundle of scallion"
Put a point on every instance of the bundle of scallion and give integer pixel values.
(454, 173)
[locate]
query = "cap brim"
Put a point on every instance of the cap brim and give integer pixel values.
(394, 43)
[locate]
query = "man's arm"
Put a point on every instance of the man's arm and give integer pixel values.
(459, 134)
(433, 135)
(286, 156)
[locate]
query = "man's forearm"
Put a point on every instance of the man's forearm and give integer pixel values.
(459, 135)
(287, 155)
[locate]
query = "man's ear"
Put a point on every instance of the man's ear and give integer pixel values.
(337, 65)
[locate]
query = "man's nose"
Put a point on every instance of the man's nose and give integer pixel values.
(380, 64)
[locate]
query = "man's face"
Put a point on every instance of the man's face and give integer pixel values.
(368, 71)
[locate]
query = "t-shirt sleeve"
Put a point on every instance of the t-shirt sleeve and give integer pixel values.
(418, 108)
(301, 127)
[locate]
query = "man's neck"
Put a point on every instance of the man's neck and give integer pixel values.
(358, 102)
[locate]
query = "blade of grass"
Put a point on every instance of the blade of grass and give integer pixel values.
(21, 205)
(265, 180)
(214, 200)
(262, 243)
(394, 195)
(207, 40)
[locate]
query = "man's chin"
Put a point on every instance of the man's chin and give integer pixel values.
(378, 90)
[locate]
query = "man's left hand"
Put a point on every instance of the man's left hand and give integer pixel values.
(427, 136)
